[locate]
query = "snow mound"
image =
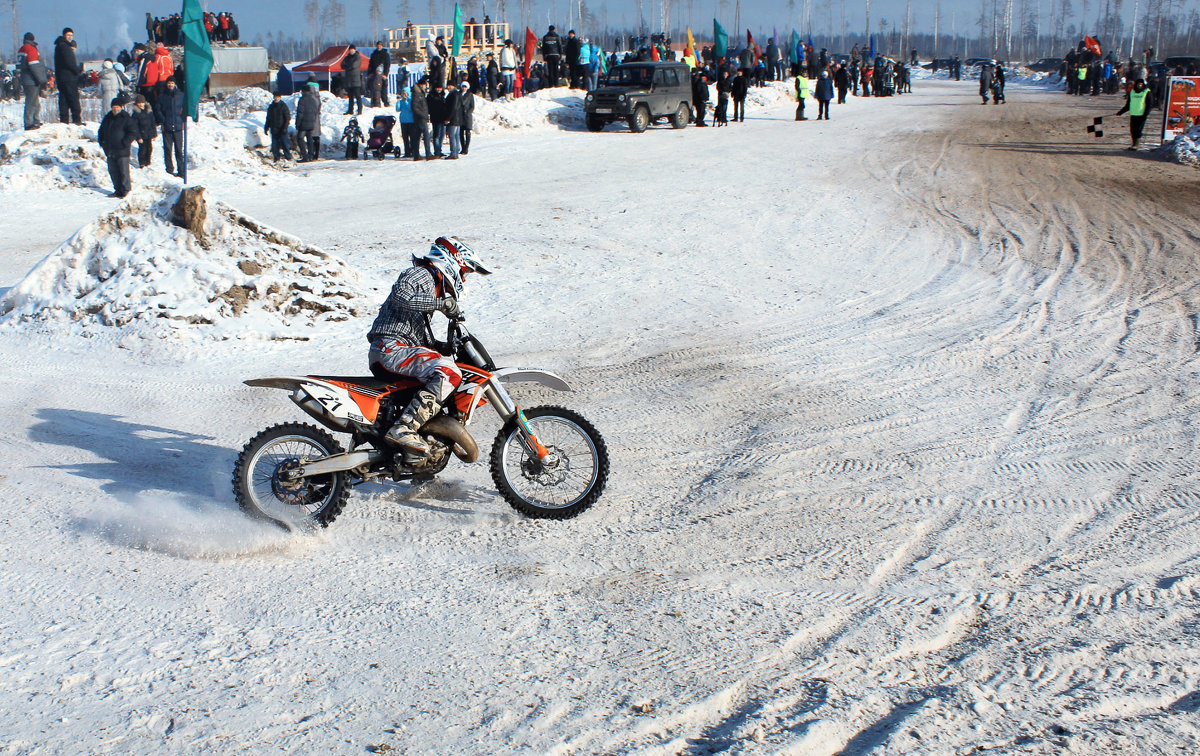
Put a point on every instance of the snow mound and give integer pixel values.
(557, 106)
(52, 157)
(774, 93)
(133, 269)
(243, 101)
(1185, 148)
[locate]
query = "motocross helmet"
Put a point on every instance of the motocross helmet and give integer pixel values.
(451, 259)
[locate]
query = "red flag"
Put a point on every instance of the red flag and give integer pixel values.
(752, 46)
(530, 49)
(1092, 44)
(654, 52)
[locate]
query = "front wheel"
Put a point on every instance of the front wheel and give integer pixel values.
(569, 482)
(266, 487)
(640, 120)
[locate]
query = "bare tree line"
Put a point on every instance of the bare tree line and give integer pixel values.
(1006, 29)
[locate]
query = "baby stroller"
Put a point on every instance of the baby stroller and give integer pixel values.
(379, 138)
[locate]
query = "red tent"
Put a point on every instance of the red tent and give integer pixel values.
(328, 62)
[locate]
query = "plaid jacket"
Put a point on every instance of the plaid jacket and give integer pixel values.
(406, 315)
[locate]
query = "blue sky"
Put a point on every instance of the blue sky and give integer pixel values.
(100, 24)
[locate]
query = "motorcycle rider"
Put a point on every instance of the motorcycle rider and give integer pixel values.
(402, 341)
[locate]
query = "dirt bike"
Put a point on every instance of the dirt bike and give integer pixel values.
(547, 462)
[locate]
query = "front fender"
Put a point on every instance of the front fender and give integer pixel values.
(532, 375)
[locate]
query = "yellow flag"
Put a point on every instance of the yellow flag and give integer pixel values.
(689, 55)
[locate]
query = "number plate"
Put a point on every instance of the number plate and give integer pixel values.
(604, 110)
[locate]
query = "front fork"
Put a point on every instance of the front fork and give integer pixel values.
(508, 409)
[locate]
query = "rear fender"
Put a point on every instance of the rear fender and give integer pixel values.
(330, 405)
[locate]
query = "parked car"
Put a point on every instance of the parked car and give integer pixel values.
(938, 64)
(641, 94)
(1189, 64)
(1047, 65)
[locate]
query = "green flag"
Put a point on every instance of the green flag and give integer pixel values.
(197, 55)
(720, 40)
(460, 31)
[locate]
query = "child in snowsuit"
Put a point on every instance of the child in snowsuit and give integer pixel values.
(352, 136)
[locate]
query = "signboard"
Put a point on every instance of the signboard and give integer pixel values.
(1181, 111)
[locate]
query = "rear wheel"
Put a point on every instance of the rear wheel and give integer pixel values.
(681, 116)
(571, 479)
(595, 123)
(640, 120)
(266, 487)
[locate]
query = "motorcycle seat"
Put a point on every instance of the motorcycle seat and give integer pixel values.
(367, 381)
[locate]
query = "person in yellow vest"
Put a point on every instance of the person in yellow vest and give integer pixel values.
(802, 94)
(1137, 103)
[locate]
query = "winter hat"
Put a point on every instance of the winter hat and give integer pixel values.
(140, 99)
(118, 101)
(465, 84)
(108, 64)
(29, 37)
(67, 31)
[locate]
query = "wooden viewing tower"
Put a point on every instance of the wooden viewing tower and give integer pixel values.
(479, 40)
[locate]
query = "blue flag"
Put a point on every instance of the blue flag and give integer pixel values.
(872, 53)
(720, 40)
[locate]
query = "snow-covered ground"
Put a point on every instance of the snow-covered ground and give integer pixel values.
(900, 407)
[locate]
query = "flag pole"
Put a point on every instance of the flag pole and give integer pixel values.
(183, 172)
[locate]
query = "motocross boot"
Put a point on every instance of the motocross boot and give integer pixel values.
(403, 433)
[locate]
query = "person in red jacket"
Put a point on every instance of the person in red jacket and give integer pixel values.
(165, 69)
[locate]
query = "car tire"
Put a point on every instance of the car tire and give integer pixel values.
(640, 119)
(681, 116)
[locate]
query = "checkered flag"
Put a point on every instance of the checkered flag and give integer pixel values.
(1097, 127)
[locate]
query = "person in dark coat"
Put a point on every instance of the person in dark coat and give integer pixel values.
(841, 80)
(352, 79)
(453, 116)
(66, 73)
(552, 54)
(436, 99)
(145, 129)
(571, 52)
(493, 77)
(824, 95)
(466, 110)
(308, 122)
(700, 96)
(170, 109)
(724, 85)
(116, 134)
(985, 82)
(379, 67)
(738, 92)
(278, 120)
(421, 120)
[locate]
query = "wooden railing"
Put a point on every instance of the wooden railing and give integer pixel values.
(478, 39)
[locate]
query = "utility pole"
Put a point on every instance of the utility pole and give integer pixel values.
(15, 23)
(1133, 28)
(868, 22)
(937, 20)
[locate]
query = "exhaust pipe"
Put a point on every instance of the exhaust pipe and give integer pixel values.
(452, 431)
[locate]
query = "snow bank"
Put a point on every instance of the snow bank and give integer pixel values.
(52, 157)
(556, 106)
(135, 270)
(1184, 149)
